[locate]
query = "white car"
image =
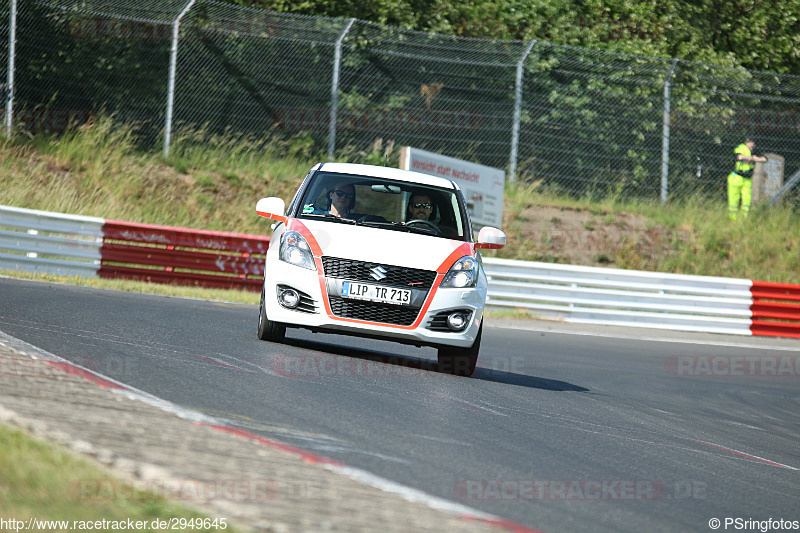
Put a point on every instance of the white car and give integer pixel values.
(377, 252)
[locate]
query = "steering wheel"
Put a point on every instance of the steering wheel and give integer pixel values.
(428, 223)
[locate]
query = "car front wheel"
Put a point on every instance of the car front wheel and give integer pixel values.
(460, 361)
(267, 329)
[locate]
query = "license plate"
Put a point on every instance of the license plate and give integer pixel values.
(376, 293)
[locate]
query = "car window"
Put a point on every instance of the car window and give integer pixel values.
(293, 204)
(387, 204)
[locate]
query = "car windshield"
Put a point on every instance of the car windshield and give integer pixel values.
(383, 203)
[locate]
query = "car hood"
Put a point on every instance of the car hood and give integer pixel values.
(378, 245)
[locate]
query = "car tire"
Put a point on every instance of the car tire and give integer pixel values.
(460, 361)
(267, 329)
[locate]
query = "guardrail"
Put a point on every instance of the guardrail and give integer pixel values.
(38, 241)
(645, 299)
(621, 297)
(70, 245)
(776, 301)
(164, 254)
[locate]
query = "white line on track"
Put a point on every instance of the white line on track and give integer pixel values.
(652, 339)
(405, 492)
(743, 454)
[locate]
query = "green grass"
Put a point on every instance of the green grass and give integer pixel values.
(213, 182)
(221, 295)
(96, 171)
(764, 246)
(698, 236)
(47, 482)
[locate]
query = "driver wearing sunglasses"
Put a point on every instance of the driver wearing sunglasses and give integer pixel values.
(420, 207)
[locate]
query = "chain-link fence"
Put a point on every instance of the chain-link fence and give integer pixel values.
(575, 121)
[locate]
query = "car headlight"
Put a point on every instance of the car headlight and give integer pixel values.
(463, 274)
(295, 250)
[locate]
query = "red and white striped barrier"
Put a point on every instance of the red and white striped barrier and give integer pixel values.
(70, 245)
(775, 309)
(164, 254)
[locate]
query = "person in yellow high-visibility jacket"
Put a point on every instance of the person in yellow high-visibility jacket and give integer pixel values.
(740, 181)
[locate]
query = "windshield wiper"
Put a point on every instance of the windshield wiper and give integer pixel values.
(380, 223)
(400, 226)
(328, 216)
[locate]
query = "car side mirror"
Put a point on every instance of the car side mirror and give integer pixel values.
(272, 208)
(491, 238)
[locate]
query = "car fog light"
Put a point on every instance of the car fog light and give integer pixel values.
(289, 298)
(456, 321)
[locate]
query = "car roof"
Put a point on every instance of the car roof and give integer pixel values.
(388, 173)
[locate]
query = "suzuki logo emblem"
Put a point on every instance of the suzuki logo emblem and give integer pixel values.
(378, 273)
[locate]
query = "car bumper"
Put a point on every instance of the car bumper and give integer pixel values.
(315, 312)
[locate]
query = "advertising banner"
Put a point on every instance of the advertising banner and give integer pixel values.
(483, 186)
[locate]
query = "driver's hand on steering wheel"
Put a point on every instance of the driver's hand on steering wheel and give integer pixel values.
(424, 223)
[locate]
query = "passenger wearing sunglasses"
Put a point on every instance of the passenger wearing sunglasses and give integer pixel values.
(342, 199)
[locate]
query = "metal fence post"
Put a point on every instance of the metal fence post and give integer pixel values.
(788, 186)
(12, 41)
(512, 163)
(337, 60)
(665, 134)
(173, 65)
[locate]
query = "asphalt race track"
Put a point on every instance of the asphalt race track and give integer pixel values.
(563, 427)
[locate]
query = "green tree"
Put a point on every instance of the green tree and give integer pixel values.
(755, 34)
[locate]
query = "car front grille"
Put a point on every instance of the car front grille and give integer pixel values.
(395, 275)
(373, 311)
